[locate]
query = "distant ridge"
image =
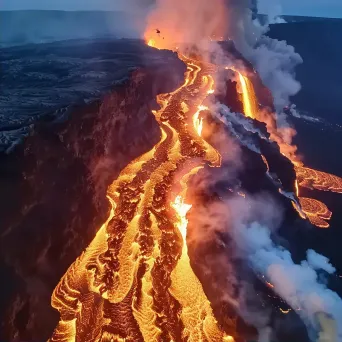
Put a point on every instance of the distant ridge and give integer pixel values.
(41, 26)
(299, 18)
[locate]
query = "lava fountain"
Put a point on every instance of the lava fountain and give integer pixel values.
(134, 282)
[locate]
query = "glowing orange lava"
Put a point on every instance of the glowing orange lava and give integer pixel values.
(248, 97)
(285, 312)
(151, 43)
(316, 211)
(250, 105)
(318, 180)
(271, 286)
(181, 209)
(198, 122)
(134, 282)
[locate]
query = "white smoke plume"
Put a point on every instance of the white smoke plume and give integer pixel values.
(299, 115)
(184, 23)
(274, 60)
(273, 10)
(251, 222)
(298, 284)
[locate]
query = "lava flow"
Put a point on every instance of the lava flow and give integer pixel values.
(315, 211)
(250, 104)
(134, 282)
(318, 180)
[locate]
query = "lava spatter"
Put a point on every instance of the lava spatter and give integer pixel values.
(134, 282)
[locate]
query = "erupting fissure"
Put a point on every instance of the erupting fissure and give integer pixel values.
(135, 282)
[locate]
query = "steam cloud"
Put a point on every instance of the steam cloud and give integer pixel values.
(250, 223)
(298, 284)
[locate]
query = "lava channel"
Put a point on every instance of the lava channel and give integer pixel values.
(134, 282)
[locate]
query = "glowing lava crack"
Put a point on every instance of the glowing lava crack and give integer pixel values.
(134, 282)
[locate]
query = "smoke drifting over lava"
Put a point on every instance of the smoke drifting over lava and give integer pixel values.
(298, 284)
(138, 264)
(274, 61)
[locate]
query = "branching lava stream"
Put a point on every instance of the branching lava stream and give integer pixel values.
(134, 282)
(315, 211)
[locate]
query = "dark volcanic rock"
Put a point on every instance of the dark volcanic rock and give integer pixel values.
(44, 82)
(52, 187)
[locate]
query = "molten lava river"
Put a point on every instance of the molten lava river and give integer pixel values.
(134, 282)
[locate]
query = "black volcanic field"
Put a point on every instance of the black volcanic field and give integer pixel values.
(34, 88)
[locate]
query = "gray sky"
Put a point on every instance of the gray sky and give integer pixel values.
(326, 8)
(318, 8)
(63, 4)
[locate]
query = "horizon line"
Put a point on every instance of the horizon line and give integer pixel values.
(118, 10)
